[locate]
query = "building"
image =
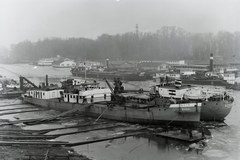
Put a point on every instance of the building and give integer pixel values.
(64, 63)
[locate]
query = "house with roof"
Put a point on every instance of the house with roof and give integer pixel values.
(64, 63)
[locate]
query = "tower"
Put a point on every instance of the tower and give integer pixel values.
(211, 62)
(107, 64)
(136, 29)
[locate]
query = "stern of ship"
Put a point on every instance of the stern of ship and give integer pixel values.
(216, 110)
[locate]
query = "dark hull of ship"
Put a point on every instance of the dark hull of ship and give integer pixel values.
(234, 86)
(153, 115)
(58, 66)
(212, 82)
(215, 110)
(111, 75)
(15, 94)
(205, 82)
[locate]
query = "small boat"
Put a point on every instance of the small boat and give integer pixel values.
(45, 62)
(195, 94)
(9, 88)
(11, 94)
(114, 103)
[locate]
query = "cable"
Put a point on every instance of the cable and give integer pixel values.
(172, 120)
(10, 71)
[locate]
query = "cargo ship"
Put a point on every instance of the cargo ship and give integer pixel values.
(124, 75)
(212, 78)
(216, 103)
(114, 103)
(224, 77)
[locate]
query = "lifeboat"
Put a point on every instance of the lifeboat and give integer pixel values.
(194, 94)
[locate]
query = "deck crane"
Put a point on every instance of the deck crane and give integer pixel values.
(117, 90)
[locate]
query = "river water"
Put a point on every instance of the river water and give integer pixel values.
(224, 144)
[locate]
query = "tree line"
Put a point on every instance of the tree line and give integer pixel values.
(167, 43)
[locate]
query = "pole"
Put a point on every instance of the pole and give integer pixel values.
(107, 64)
(211, 62)
(46, 80)
(85, 74)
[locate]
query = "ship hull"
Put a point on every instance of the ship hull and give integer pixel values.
(215, 111)
(213, 83)
(111, 75)
(58, 66)
(11, 94)
(205, 82)
(153, 115)
(234, 86)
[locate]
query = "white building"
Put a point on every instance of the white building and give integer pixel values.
(66, 63)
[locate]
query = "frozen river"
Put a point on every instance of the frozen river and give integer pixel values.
(224, 144)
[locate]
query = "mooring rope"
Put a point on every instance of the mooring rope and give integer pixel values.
(10, 71)
(101, 115)
(172, 120)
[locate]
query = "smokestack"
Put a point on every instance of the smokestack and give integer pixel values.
(107, 64)
(46, 80)
(211, 62)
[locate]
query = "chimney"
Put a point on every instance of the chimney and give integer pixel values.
(107, 64)
(211, 62)
(46, 80)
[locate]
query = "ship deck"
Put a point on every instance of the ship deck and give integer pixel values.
(171, 86)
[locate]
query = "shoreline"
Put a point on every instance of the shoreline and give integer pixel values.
(20, 151)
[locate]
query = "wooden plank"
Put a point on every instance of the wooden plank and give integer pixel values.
(9, 109)
(19, 121)
(12, 104)
(181, 136)
(20, 137)
(103, 139)
(74, 126)
(87, 130)
(43, 131)
(53, 156)
(51, 118)
(33, 110)
(49, 143)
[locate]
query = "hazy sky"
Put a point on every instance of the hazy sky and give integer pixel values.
(37, 19)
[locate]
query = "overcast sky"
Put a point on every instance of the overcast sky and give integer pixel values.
(37, 19)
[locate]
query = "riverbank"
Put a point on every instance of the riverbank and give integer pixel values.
(17, 152)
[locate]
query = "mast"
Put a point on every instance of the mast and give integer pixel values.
(85, 67)
(211, 63)
(107, 64)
